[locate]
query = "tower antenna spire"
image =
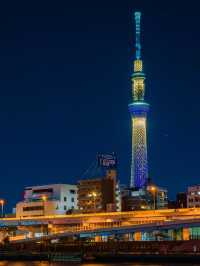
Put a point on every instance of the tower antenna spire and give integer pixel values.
(137, 35)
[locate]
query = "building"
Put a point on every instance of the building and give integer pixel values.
(47, 200)
(99, 194)
(125, 192)
(138, 110)
(149, 197)
(138, 199)
(118, 199)
(162, 198)
(130, 203)
(159, 196)
(181, 200)
(193, 196)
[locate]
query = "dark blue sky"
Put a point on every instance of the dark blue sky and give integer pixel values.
(65, 88)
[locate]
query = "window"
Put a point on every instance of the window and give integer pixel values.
(72, 199)
(65, 207)
(44, 190)
(65, 198)
(72, 191)
(33, 208)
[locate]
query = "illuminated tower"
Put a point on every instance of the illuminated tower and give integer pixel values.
(138, 109)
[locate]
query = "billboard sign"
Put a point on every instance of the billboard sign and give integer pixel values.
(107, 160)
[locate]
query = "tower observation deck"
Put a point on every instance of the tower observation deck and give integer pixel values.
(138, 109)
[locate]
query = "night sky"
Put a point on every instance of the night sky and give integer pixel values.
(65, 87)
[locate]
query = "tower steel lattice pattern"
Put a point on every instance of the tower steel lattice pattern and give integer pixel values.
(138, 109)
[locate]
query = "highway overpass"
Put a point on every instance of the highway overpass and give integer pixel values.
(99, 224)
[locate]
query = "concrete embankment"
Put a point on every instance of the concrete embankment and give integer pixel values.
(153, 258)
(103, 257)
(144, 251)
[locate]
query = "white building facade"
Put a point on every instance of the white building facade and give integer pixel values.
(55, 199)
(193, 196)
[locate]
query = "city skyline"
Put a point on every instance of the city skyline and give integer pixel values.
(65, 88)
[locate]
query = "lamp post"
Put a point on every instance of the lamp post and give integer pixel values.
(44, 199)
(93, 195)
(153, 190)
(2, 202)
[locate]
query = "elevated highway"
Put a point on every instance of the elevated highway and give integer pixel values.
(129, 218)
(108, 230)
(98, 224)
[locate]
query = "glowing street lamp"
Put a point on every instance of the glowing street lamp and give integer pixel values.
(2, 203)
(153, 189)
(44, 199)
(93, 195)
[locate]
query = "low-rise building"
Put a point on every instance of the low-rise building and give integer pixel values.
(162, 198)
(159, 196)
(99, 194)
(133, 203)
(149, 197)
(52, 199)
(193, 196)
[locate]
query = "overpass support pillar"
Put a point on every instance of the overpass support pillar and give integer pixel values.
(131, 236)
(138, 236)
(186, 234)
(177, 234)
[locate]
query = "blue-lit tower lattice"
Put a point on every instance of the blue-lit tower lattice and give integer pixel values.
(138, 109)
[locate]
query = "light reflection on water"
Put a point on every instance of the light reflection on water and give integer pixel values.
(45, 263)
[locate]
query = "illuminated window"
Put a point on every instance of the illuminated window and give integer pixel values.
(137, 65)
(138, 89)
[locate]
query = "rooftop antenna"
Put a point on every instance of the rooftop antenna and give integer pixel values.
(137, 37)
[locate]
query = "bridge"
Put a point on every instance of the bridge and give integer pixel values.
(135, 225)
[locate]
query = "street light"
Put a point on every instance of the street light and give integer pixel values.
(93, 195)
(153, 190)
(2, 202)
(44, 199)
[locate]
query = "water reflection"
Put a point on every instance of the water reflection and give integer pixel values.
(45, 263)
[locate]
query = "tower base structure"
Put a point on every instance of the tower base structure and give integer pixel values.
(139, 163)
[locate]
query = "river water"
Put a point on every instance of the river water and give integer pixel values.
(29, 263)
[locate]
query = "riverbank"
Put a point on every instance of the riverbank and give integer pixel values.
(100, 258)
(146, 258)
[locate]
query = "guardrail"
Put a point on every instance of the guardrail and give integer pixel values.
(109, 229)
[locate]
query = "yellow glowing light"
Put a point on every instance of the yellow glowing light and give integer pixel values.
(152, 188)
(137, 65)
(50, 226)
(139, 122)
(44, 198)
(92, 194)
(2, 202)
(138, 88)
